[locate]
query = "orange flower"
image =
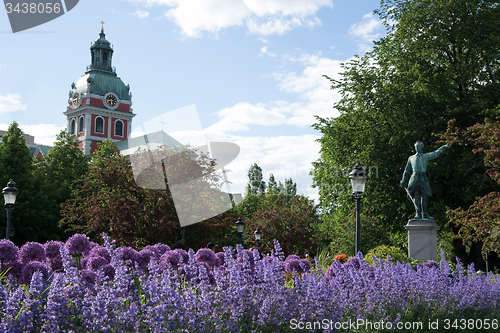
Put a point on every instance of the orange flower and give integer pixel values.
(341, 258)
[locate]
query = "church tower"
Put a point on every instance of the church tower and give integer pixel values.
(99, 104)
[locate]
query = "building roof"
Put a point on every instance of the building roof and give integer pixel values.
(44, 149)
(150, 141)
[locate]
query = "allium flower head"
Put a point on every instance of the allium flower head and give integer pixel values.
(220, 259)
(144, 256)
(32, 251)
(52, 249)
(108, 271)
(89, 276)
(292, 256)
(160, 249)
(297, 266)
(127, 253)
(15, 267)
(56, 264)
(206, 256)
(30, 268)
(184, 255)
(8, 251)
(354, 262)
(78, 243)
(170, 259)
(95, 262)
(100, 251)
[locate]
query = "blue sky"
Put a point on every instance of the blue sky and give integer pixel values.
(252, 68)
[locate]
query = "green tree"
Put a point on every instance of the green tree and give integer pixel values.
(109, 200)
(293, 222)
(255, 183)
(272, 185)
(439, 60)
(29, 217)
(64, 165)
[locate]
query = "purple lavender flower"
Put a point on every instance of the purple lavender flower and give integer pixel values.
(220, 259)
(246, 255)
(206, 256)
(30, 268)
(32, 251)
(126, 253)
(170, 259)
(93, 263)
(100, 251)
(89, 276)
(305, 264)
(52, 249)
(354, 262)
(8, 251)
(78, 243)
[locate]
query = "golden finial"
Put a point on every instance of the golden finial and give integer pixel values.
(102, 27)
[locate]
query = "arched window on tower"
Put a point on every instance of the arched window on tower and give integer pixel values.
(99, 125)
(72, 127)
(119, 128)
(105, 58)
(80, 125)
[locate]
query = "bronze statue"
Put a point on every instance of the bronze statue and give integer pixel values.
(418, 187)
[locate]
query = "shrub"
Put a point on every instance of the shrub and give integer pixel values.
(381, 252)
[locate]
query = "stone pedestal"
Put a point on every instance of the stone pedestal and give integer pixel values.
(422, 239)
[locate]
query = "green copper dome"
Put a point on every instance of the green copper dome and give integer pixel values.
(100, 77)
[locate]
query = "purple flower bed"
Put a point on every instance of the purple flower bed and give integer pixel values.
(238, 291)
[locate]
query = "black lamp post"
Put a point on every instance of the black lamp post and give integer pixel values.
(240, 225)
(358, 181)
(258, 236)
(9, 195)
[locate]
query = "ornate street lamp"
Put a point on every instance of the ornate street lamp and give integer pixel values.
(358, 181)
(9, 195)
(258, 236)
(240, 226)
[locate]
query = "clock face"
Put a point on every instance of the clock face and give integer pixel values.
(76, 99)
(111, 100)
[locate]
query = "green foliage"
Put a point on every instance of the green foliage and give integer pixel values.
(29, 216)
(339, 233)
(255, 183)
(480, 222)
(293, 222)
(382, 251)
(438, 61)
(109, 200)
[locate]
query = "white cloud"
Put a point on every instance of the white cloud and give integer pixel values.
(264, 51)
(262, 17)
(283, 156)
(142, 14)
(367, 28)
(44, 134)
(11, 102)
(316, 98)
(366, 31)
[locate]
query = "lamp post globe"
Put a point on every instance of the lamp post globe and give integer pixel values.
(258, 236)
(9, 195)
(240, 226)
(358, 182)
